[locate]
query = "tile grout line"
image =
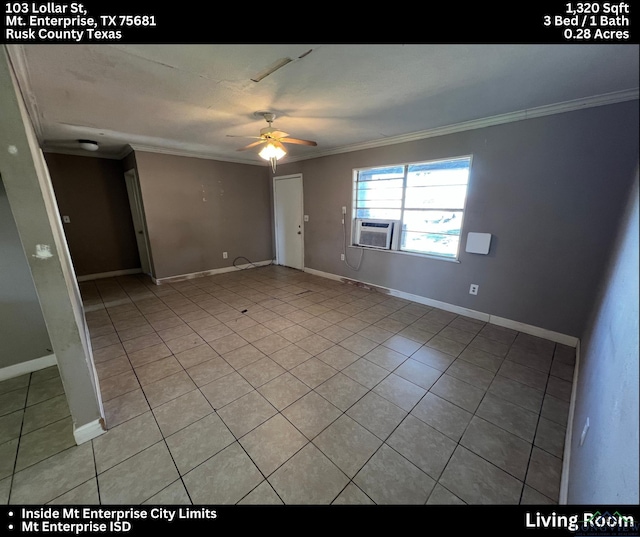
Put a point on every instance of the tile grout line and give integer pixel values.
(334, 343)
(203, 462)
(15, 462)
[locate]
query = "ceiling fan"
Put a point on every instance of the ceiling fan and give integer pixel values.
(273, 140)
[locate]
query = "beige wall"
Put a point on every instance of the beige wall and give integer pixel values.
(93, 193)
(196, 209)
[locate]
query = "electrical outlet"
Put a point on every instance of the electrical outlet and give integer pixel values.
(344, 210)
(306, 217)
(473, 290)
(341, 257)
(224, 255)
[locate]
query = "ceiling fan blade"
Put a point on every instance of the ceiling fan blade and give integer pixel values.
(296, 141)
(254, 144)
(277, 134)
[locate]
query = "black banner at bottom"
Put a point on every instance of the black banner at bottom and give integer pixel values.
(438, 519)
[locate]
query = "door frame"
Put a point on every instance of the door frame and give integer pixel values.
(135, 198)
(276, 178)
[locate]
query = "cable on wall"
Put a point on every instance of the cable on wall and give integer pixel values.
(344, 246)
(252, 265)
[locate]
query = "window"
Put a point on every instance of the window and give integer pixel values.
(426, 198)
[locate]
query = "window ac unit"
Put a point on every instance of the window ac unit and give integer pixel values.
(375, 233)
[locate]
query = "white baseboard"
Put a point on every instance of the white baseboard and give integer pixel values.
(327, 275)
(481, 316)
(183, 277)
(89, 431)
(570, 341)
(441, 305)
(81, 434)
(568, 438)
(29, 366)
(112, 274)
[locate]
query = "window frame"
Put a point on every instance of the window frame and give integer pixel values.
(396, 248)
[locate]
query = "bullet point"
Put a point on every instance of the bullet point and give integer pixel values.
(10, 526)
(10, 513)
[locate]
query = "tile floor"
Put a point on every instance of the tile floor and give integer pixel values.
(273, 386)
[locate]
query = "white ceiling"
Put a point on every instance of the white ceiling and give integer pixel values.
(186, 99)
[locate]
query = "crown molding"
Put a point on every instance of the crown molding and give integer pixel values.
(530, 113)
(188, 153)
(83, 153)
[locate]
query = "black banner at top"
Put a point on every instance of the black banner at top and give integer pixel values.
(145, 22)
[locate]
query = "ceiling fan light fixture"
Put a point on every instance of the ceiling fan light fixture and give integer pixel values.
(88, 145)
(272, 138)
(272, 152)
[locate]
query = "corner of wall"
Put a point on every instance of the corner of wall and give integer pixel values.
(568, 439)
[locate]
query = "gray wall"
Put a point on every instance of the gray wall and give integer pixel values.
(196, 209)
(93, 193)
(550, 190)
(605, 468)
(23, 333)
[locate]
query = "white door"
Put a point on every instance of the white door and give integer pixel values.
(289, 221)
(135, 201)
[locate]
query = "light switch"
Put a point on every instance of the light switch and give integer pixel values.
(66, 219)
(306, 217)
